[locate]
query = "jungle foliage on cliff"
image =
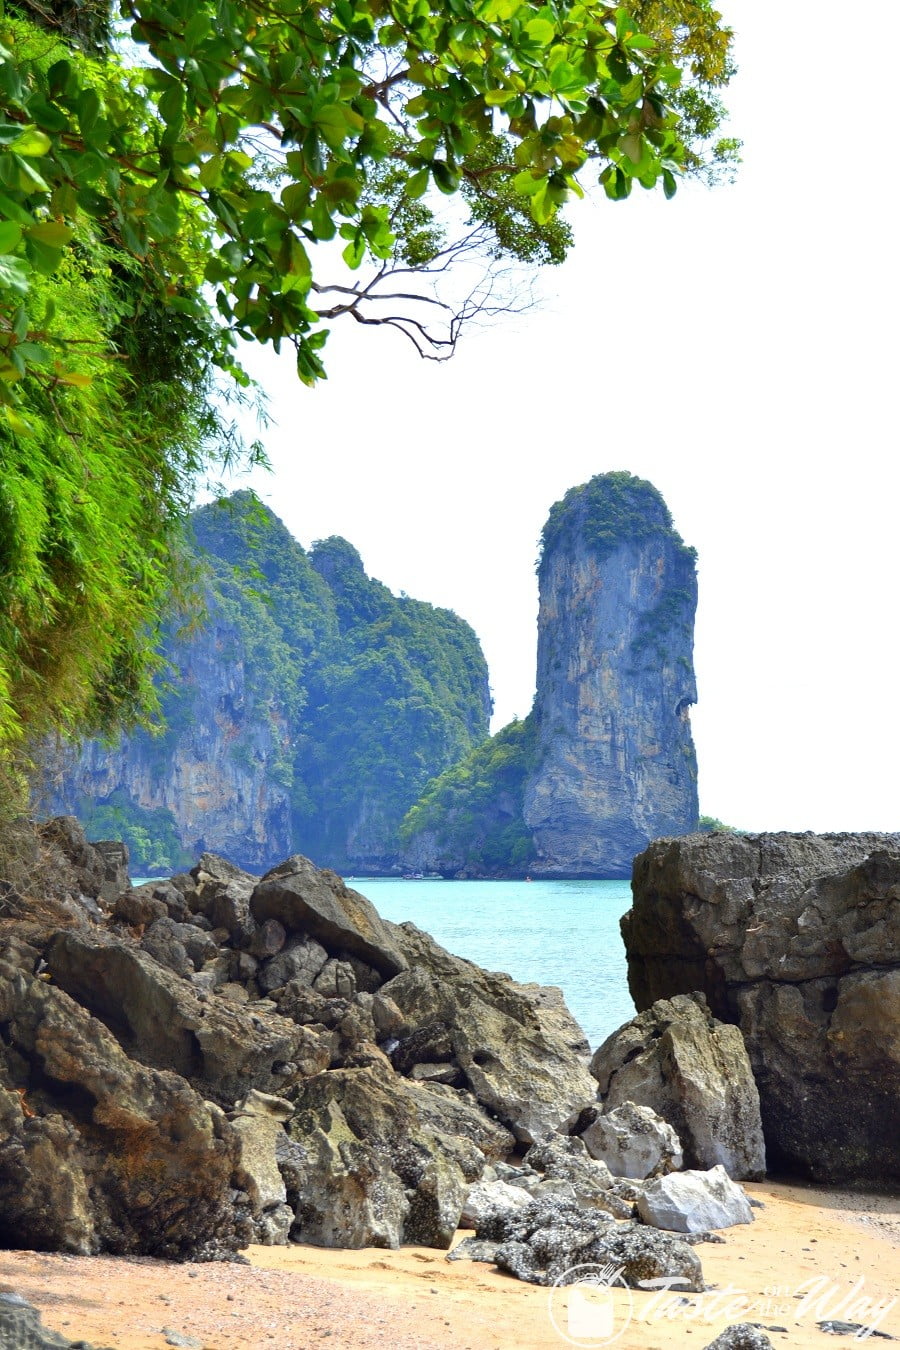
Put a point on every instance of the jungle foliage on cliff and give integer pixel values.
(365, 696)
(472, 814)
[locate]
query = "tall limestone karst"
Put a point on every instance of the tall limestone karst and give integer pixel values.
(605, 761)
(305, 714)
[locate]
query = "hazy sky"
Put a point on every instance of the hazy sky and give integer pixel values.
(738, 348)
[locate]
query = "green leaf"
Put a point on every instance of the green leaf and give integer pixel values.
(418, 184)
(51, 232)
(540, 31)
(31, 142)
(13, 275)
(10, 236)
(670, 184)
(445, 178)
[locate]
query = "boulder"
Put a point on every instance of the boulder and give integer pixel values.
(510, 1054)
(796, 939)
(21, 1328)
(693, 1071)
(566, 1160)
(491, 1197)
(741, 1336)
(258, 1121)
(387, 1160)
(317, 904)
(694, 1202)
(541, 1241)
(162, 1020)
(98, 1152)
(633, 1141)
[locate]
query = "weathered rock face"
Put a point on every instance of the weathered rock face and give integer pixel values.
(289, 712)
(693, 1070)
(615, 681)
(796, 938)
(605, 761)
(211, 773)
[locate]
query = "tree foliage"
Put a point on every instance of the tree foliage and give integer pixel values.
(165, 158)
(474, 811)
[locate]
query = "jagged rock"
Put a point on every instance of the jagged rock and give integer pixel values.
(163, 1021)
(162, 943)
(86, 867)
(511, 1059)
(317, 904)
(138, 1162)
(633, 1141)
(335, 980)
(741, 1336)
(388, 1161)
(268, 940)
(693, 1202)
(539, 1242)
(258, 1120)
(114, 857)
(300, 959)
(473, 1249)
(222, 893)
(140, 906)
(693, 1071)
(796, 938)
(566, 1159)
(21, 1328)
(490, 1197)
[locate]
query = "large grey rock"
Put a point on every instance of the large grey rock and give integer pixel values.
(694, 1202)
(163, 1020)
(633, 1141)
(21, 1328)
(317, 904)
(258, 1121)
(388, 1161)
(96, 1151)
(795, 938)
(694, 1072)
(485, 1198)
(514, 1060)
(546, 1238)
(741, 1336)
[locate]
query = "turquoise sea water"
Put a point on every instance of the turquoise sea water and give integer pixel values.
(552, 932)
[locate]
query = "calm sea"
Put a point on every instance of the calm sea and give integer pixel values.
(552, 932)
(549, 932)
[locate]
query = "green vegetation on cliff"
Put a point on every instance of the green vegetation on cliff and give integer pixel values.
(473, 812)
(606, 512)
(350, 699)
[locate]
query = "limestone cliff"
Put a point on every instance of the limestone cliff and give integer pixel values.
(605, 761)
(305, 714)
(615, 681)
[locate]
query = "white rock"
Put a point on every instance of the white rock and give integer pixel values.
(633, 1141)
(491, 1197)
(691, 1202)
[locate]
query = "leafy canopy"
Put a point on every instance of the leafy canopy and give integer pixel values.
(165, 158)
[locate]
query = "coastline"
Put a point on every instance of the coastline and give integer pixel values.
(812, 1253)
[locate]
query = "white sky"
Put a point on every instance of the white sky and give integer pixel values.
(738, 348)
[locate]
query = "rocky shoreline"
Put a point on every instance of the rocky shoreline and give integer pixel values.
(193, 1066)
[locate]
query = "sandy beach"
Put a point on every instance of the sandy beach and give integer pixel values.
(809, 1256)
